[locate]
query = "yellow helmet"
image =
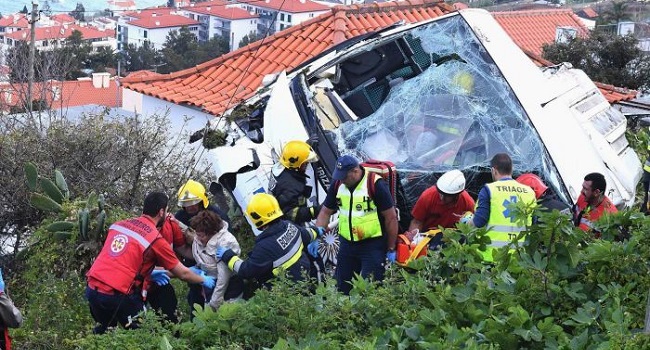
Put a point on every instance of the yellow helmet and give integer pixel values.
(192, 193)
(296, 153)
(262, 209)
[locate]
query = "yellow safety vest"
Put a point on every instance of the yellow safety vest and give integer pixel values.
(501, 225)
(358, 218)
(646, 165)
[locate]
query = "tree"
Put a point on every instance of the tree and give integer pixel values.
(24, 10)
(605, 57)
(251, 37)
(46, 8)
(138, 58)
(79, 12)
(182, 50)
(616, 13)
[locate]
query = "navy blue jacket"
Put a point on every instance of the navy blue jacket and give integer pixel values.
(272, 247)
(185, 218)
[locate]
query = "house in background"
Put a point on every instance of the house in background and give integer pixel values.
(277, 15)
(531, 29)
(152, 25)
(588, 16)
(48, 38)
(225, 20)
(100, 90)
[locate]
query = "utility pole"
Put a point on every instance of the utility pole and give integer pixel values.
(32, 53)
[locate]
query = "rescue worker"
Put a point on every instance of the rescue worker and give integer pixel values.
(280, 245)
(162, 296)
(367, 226)
(192, 198)
(288, 184)
(132, 248)
(493, 208)
(10, 316)
(592, 203)
(441, 205)
(545, 200)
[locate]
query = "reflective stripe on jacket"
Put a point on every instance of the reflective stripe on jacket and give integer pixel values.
(501, 225)
(358, 217)
(120, 260)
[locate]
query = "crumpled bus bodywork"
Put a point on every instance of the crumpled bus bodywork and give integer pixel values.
(433, 96)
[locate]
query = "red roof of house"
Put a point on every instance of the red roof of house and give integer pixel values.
(530, 30)
(18, 20)
(231, 12)
(71, 94)
(290, 6)
(589, 12)
(63, 18)
(612, 93)
(163, 21)
(221, 83)
(61, 32)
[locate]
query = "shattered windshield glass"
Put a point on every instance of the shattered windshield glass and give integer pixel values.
(448, 107)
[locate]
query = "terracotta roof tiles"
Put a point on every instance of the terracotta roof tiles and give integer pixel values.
(532, 29)
(239, 73)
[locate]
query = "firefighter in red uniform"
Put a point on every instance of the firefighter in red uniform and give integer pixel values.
(132, 248)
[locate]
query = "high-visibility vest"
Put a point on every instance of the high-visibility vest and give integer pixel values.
(646, 165)
(501, 224)
(358, 217)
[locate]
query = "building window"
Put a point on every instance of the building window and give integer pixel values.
(289, 18)
(145, 34)
(282, 16)
(281, 26)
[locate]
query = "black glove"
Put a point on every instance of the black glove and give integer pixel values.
(577, 215)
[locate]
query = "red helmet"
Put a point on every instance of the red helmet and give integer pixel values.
(533, 181)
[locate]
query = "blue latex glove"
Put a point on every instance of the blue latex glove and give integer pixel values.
(196, 270)
(466, 218)
(208, 282)
(2, 283)
(391, 255)
(219, 253)
(159, 277)
(319, 230)
(312, 248)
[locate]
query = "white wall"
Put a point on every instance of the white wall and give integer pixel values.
(146, 105)
(239, 29)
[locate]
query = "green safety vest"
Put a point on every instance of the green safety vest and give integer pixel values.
(358, 218)
(501, 225)
(646, 165)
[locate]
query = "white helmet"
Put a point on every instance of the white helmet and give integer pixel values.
(451, 182)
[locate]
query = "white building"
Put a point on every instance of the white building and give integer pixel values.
(152, 25)
(48, 38)
(229, 21)
(281, 14)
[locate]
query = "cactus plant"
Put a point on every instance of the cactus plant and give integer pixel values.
(31, 174)
(51, 190)
(60, 226)
(61, 184)
(44, 203)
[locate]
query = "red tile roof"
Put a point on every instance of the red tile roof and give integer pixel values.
(71, 94)
(221, 83)
(291, 6)
(530, 30)
(231, 12)
(589, 12)
(612, 93)
(163, 21)
(63, 18)
(18, 20)
(62, 32)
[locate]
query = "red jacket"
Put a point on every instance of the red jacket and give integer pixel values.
(592, 214)
(122, 265)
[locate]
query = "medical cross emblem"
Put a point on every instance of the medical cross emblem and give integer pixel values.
(118, 244)
(506, 204)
